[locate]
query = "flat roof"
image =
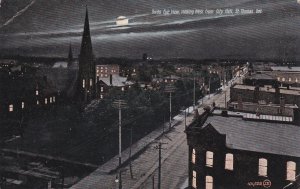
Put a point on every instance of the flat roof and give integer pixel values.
(285, 68)
(265, 89)
(257, 136)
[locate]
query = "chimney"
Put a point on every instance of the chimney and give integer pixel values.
(256, 94)
(240, 102)
(277, 94)
(110, 80)
(282, 104)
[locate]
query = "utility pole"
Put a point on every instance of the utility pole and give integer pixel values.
(159, 165)
(209, 86)
(170, 110)
(225, 101)
(194, 94)
(119, 104)
(169, 89)
(130, 164)
(185, 118)
(153, 182)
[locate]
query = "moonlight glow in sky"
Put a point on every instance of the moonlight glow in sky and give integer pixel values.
(44, 27)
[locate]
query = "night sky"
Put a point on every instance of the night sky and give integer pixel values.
(46, 28)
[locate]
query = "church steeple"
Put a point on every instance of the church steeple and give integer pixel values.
(87, 70)
(86, 43)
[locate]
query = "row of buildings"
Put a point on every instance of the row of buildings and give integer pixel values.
(254, 143)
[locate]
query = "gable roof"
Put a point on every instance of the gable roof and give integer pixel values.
(258, 136)
(117, 81)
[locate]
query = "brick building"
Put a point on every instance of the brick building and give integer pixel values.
(233, 150)
(268, 94)
(105, 70)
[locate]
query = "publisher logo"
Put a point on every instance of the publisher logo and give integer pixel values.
(266, 184)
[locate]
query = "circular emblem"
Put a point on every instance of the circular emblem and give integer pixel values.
(267, 183)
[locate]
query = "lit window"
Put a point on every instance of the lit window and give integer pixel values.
(23, 105)
(83, 83)
(101, 89)
(105, 75)
(123, 89)
(296, 80)
(194, 184)
(283, 79)
(290, 79)
(229, 162)
(209, 159)
(11, 108)
(291, 171)
(194, 156)
(37, 102)
(209, 182)
(101, 67)
(101, 96)
(101, 71)
(91, 82)
(46, 101)
(54, 99)
(101, 75)
(50, 100)
(37, 92)
(278, 78)
(262, 167)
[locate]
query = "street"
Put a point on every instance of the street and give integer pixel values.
(174, 157)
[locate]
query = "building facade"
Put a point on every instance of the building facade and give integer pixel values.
(105, 70)
(228, 152)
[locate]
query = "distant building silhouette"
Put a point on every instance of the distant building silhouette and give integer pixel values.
(87, 71)
(145, 56)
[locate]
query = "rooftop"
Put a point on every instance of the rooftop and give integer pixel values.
(285, 68)
(117, 81)
(259, 76)
(266, 89)
(256, 136)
